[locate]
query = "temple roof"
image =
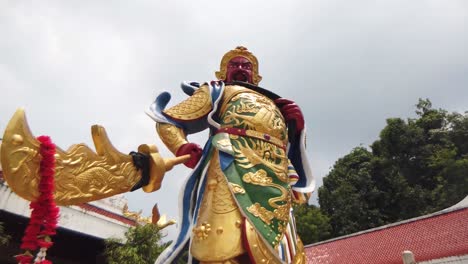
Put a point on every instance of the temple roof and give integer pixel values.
(433, 236)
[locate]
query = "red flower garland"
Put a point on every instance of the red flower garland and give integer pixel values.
(44, 215)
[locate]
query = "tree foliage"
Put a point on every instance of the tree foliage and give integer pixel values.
(142, 246)
(312, 225)
(348, 194)
(4, 238)
(417, 166)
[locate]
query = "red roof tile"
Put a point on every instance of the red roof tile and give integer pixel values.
(433, 237)
(95, 209)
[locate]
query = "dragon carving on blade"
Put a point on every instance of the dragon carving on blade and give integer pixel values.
(81, 175)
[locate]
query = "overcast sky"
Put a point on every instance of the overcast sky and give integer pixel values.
(348, 64)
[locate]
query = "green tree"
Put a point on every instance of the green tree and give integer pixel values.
(348, 195)
(417, 166)
(141, 246)
(4, 238)
(312, 225)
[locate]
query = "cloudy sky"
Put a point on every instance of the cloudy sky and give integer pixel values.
(348, 64)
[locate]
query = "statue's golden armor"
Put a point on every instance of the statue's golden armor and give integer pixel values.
(217, 235)
(252, 130)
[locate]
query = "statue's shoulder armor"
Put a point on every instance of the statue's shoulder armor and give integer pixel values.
(232, 90)
(194, 107)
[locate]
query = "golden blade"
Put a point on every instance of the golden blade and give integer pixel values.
(19, 147)
(81, 175)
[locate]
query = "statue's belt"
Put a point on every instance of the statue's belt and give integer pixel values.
(254, 134)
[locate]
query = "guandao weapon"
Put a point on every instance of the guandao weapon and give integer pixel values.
(81, 175)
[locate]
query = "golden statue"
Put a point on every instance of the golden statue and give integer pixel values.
(236, 204)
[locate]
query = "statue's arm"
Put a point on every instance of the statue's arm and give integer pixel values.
(187, 117)
(172, 136)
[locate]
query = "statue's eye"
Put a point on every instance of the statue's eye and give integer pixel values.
(247, 66)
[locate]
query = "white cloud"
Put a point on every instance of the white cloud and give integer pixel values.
(349, 64)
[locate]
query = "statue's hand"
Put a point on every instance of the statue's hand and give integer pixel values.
(291, 112)
(195, 152)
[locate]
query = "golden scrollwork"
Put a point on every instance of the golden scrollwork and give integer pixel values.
(253, 111)
(236, 188)
(81, 175)
(282, 212)
(196, 106)
(280, 203)
(261, 212)
(255, 154)
(173, 137)
(260, 177)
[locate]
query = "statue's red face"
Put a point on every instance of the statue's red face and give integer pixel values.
(239, 69)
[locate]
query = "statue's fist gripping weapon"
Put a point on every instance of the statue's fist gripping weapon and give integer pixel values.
(81, 175)
(193, 150)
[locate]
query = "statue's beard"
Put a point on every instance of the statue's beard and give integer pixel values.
(240, 76)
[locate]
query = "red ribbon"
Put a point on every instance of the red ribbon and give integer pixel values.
(44, 215)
